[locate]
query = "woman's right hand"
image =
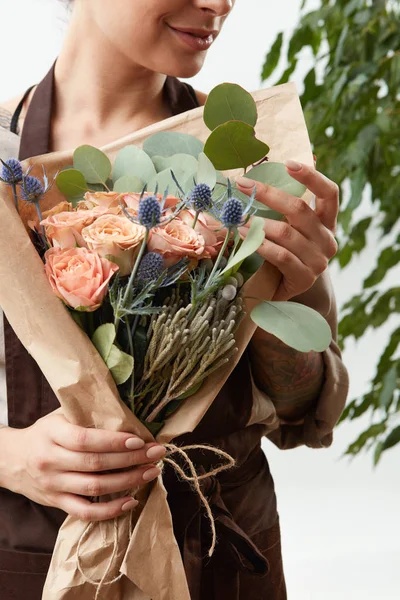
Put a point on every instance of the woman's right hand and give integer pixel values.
(55, 463)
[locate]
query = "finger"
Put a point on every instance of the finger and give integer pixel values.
(298, 214)
(85, 510)
(286, 236)
(296, 276)
(66, 460)
(83, 439)
(108, 483)
(325, 190)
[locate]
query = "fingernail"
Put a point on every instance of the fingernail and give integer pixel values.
(293, 165)
(150, 474)
(155, 452)
(129, 505)
(244, 182)
(134, 443)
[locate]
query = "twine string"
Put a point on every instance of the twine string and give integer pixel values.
(193, 479)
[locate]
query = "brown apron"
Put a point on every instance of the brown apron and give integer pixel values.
(247, 561)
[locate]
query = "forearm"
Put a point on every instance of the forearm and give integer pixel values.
(292, 379)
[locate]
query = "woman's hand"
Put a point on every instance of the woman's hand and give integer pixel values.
(55, 463)
(301, 247)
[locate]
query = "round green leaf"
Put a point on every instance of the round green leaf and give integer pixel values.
(168, 143)
(298, 326)
(120, 365)
(206, 172)
(233, 146)
(253, 240)
(103, 339)
(71, 183)
(183, 162)
(132, 160)
(229, 102)
(128, 183)
(250, 265)
(93, 163)
(275, 175)
(164, 180)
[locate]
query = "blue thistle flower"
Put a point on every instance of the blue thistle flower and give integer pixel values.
(32, 189)
(151, 268)
(201, 197)
(149, 213)
(11, 172)
(232, 213)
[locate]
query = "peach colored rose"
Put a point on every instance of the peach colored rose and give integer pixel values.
(175, 241)
(117, 237)
(64, 229)
(212, 239)
(132, 200)
(104, 199)
(78, 276)
(63, 206)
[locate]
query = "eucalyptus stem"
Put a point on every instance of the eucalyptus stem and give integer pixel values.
(196, 218)
(131, 350)
(133, 275)
(14, 189)
(220, 255)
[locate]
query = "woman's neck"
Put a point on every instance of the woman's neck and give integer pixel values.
(100, 95)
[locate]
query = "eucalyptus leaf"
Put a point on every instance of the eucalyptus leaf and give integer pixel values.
(229, 102)
(276, 175)
(164, 181)
(71, 183)
(93, 164)
(250, 265)
(128, 183)
(103, 339)
(168, 143)
(234, 145)
(206, 172)
(297, 325)
(120, 365)
(184, 162)
(251, 244)
(133, 161)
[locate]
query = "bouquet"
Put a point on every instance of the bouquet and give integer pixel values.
(145, 255)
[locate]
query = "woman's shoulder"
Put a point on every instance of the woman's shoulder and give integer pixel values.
(201, 97)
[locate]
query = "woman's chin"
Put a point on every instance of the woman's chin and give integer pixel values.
(184, 68)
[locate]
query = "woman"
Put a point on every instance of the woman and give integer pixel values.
(109, 80)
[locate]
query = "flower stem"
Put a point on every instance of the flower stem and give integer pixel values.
(220, 255)
(39, 214)
(196, 218)
(133, 275)
(14, 189)
(131, 350)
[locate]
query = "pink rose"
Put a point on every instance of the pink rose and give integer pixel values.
(175, 241)
(64, 229)
(117, 237)
(212, 239)
(79, 277)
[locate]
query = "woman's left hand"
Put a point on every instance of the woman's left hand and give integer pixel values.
(301, 246)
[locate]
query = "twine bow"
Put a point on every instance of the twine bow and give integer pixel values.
(193, 479)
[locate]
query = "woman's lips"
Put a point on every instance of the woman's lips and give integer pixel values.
(196, 41)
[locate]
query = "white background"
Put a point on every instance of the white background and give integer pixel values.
(340, 520)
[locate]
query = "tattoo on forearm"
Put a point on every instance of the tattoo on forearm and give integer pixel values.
(292, 379)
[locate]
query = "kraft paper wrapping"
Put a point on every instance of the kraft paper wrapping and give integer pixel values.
(150, 559)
